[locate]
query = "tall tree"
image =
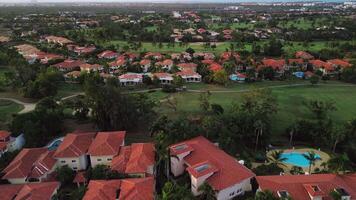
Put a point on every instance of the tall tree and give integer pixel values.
(312, 158)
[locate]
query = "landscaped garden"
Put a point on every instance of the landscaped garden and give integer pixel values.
(7, 109)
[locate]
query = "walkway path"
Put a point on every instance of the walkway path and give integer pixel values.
(28, 107)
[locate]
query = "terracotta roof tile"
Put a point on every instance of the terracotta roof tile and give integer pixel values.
(227, 171)
(124, 189)
(30, 191)
(300, 187)
(74, 145)
(107, 143)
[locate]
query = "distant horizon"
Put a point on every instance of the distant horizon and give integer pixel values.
(167, 1)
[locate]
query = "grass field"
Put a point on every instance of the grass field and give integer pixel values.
(221, 46)
(290, 102)
(7, 109)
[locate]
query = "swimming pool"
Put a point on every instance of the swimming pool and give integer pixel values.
(54, 144)
(297, 158)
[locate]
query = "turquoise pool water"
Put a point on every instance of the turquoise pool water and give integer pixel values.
(297, 159)
(54, 144)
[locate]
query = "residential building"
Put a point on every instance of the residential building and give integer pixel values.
(206, 163)
(58, 40)
(304, 55)
(187, 67)
(123, 189)
(189, 76)
(30, 165)
(105, 146)
(108, 54)
(131, 79)
(8, 143)
(138, 159)
(73, 150)
(68, 65)
(145, 64)
(325, 67)
(91, 67)
(164, 78)
(35, 191)
(339, 63)
(313, 187)
(165, 64)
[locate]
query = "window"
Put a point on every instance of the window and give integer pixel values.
(99, 159)
(75, 168)
(109, 159)
(63, 161)
(74, 161)
(232, 194)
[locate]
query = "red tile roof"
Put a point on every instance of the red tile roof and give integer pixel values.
(208, 62)
(162, 75)
(69, 64)
(187, 73)
(322, 64)
(108, 54)
(30, 191)
(187, 66)
(135, 158)
(145, 62)
(74, 145)
(295, 61)
(32, 162)
(80, 177)
(124, 189)
(227, 170)
(215, 67)
(4, 134)
(300, 187)
(107, 143)
(303, 55)
(275, 64)
(227, 55)
(340, 63)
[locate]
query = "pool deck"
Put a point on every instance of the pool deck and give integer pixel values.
(287, 167)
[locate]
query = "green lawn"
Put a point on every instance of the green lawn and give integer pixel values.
(290, 47)
(7, 109)
(290, 102)
(66, 89)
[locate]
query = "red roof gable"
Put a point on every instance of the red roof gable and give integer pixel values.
(135, 158)
(107, 143)
(107, 54)
(275, 64)
(145, 62)
(300, 187)
(227, 171)
(303, 55)
(32, 162)
(30, 191)
(340, 63)
(69, 64)
(4, 134)
(74, 145)
(125, 189)
(215, 67)
(322, 64)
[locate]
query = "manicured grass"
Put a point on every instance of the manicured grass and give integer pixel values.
(7, 109)
(290, 103)
(66, 89)
(290, 47)
(303, 23)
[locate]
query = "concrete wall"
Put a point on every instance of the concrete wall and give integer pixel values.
(100, 160)
(197, 182)
(76, 163)
(235, 190)
(17, 180)
(177, 164)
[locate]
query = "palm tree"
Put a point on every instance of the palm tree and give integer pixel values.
(339, 163)
(312, 158)
(208, 192)
(276, 158)
(265, 195)
(259, 131)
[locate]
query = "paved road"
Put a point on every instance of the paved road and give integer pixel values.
(28, 107)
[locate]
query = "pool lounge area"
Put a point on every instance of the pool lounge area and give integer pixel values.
(52, 146)
(294, 157)
(297, 159)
